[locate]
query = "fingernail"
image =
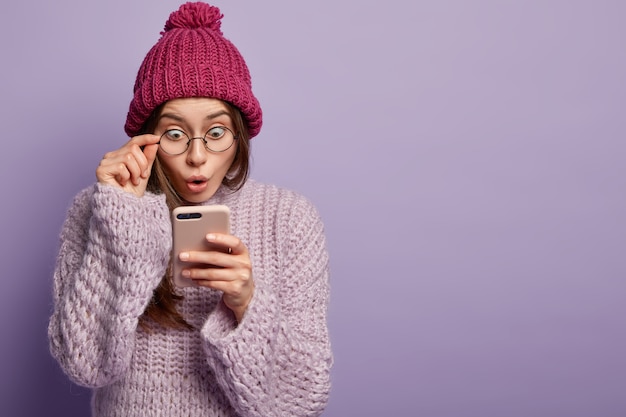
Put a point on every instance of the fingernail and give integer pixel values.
(183, 256)
(210, 236)
(186, 273)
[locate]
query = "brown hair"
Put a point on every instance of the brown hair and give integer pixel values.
(162, 307)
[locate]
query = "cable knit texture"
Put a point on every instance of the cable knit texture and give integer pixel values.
(193, 59)
(114, 250)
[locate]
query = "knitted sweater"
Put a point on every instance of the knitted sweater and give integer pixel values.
(115, 248)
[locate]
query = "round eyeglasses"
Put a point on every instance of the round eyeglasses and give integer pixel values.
(216, 139)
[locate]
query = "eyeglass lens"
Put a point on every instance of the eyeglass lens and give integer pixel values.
(216, 139)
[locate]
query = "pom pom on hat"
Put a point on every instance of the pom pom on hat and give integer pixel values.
(194, 16)
(193, 59)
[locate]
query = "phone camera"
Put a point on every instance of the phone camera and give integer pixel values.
(188, 216)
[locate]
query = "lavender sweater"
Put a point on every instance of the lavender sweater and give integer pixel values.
(114, 250)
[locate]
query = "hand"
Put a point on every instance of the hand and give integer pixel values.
(230, 272)
(129, 166)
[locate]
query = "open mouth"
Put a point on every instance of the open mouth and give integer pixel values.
(196, 185)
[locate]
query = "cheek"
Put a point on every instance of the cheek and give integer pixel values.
(168, 166)
(168, 161)
(232, 160)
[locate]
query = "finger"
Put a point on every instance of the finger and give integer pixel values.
(145, 148)
(144, 155)
(128, 162)
(136, 163)
(144, 140)
(231, 244)
(215, 265)
(122, 176)
(212, 259)
(213, 274)
(232, 289)
(229, 281)
(150, 152)
(112, 168)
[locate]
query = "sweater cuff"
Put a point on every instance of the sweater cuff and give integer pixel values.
(229, 342)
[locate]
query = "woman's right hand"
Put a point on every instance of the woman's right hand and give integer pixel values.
(129, 167)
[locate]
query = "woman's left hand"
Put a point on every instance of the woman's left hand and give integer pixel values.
(229, 272)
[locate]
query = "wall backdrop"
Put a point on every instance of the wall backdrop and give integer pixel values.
(467, 157)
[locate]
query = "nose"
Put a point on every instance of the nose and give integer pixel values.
(197, 153)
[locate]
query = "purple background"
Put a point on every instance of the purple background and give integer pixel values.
(467, 157)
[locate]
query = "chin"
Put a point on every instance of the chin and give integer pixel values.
(198, 198)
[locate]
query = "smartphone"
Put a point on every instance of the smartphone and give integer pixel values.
(190, 225)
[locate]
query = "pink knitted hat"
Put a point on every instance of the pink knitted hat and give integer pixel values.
(193, 59)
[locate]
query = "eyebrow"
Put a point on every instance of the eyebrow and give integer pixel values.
(181, 119)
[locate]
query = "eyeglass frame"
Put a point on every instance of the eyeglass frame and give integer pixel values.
(203, 138)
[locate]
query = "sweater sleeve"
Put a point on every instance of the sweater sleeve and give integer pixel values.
(277, 361)
(113, 252)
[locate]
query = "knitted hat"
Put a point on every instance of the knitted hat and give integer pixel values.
(193, 59)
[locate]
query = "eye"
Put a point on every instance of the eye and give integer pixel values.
(216, 132)
(175, 135)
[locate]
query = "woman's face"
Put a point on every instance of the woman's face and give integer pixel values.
(197, 173)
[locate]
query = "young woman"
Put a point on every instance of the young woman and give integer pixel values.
(250, 339)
